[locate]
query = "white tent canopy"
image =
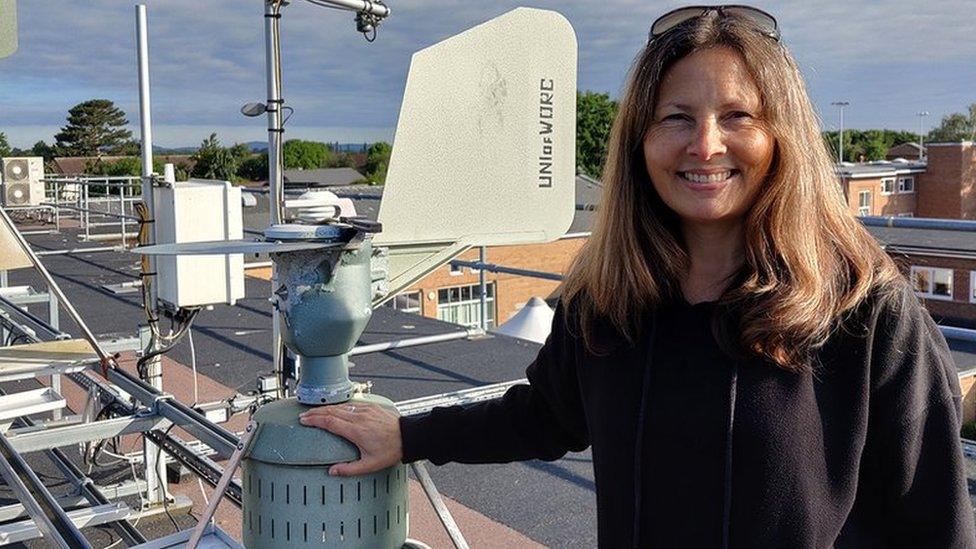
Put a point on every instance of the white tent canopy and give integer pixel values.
(532, 323)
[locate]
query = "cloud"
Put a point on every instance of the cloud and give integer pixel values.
(890, 58)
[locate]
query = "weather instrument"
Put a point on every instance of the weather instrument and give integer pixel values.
(484, 154)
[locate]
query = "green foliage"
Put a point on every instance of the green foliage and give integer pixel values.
(867, 145)
(969, 430)
(594, 117)
(377, 162)
(254, 167)
(4, 146)
(216, 162)
(44, 150)
(307, 155)
(130, 166)
(94, 126)
(130, 147)
(955, 127)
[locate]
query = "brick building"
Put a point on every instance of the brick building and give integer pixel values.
(881, 188)
(947, 189)
(454, 294)
(941, 266)
(944, 186)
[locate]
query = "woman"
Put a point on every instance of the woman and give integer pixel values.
(748, 366)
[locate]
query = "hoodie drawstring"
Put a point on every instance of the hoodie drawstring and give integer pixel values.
(639, 447)
(727, 499)
(639, 444)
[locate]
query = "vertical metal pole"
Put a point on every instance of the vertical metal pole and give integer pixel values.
(841, 145)
(921, 139)
(155, 470)
(482, 254)
(272, 34)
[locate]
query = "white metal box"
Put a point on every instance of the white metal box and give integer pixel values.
(198, 211)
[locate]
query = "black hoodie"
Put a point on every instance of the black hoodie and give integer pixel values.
(862, 452)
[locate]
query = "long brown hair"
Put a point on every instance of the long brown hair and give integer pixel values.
(808, 260)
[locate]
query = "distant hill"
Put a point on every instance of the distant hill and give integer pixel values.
(174, 150)
(260, 146)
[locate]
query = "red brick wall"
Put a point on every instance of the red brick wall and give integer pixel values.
(511, 291)
(939, 187)
(960, 311)
(967, 185)
(881, 204)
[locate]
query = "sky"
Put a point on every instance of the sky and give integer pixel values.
(890, 59)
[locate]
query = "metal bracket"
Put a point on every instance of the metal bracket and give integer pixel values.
(218, 493)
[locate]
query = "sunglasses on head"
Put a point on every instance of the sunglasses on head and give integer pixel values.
(764, 22)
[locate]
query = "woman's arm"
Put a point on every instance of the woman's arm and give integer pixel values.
(915, 411)
(541, 420)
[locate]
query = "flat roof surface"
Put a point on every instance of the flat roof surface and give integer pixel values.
(551, 503)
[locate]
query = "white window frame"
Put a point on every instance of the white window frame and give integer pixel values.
(863, 210)
(891, 186)
(453, 272)
(906, 214)
(929, 293)
(903, 188)
(394, 303)
(972, 286)
(470, 308)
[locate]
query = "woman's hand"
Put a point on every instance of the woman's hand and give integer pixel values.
(375, 430)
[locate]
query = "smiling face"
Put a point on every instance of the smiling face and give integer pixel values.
(707, 152)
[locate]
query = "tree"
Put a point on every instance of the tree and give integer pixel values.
(254, 167)
(4, 146)
(378, 161)
(214, 161)
(594, 117)
(94, 126)
(44, 150)
(307, 155)
(956, 127)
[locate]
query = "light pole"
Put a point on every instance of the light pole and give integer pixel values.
(921, 116)
(840, 139)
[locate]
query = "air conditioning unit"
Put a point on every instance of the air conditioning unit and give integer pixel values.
(23, 183)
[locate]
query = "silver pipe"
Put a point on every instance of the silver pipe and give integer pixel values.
(372, 8)
(272, 33)
(413, 342)
(482, 284)
(963, 225)
(90, 249)
(443, 513)
(49, 517)
(56, 290)
(156, 483)
(507, 270)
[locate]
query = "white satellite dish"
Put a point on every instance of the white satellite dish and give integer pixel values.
(8, 27)
(485, 147)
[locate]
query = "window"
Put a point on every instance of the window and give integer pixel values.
(906, 214)
(887, 185)
(462, 305)
(408, 302)
(864, 203)
(456, 270)
(906, 184)
(932, 282)
(972, 286)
